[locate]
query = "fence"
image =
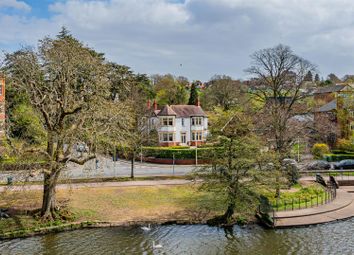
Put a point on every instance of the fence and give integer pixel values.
(305, 202)
(339, 174)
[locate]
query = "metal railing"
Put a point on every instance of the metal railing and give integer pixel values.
(305, 202)
(339, 174)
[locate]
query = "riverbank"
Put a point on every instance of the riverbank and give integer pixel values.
(105, 205)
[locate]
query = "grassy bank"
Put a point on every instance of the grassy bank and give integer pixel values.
(115, 204)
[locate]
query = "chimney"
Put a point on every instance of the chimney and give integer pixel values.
(148, 104)
(154, 105)
(198, 102)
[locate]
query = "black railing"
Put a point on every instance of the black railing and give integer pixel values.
(305, 202)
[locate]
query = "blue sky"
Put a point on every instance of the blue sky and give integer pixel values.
(206, 36)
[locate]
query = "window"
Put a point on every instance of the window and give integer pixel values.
(182, 122)
(197, 136)
(167, 121)
(183, 138)
(167, 137)
(197, 121)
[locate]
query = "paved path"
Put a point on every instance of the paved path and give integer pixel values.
(99, 185)
(341, 208)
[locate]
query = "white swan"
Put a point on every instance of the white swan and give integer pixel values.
(148, 228)
(156, 246)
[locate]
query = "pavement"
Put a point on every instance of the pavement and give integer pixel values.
(342, 207)
(99, 185)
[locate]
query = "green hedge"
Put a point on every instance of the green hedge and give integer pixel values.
(338, 157)
(341, 152)
(165, 152)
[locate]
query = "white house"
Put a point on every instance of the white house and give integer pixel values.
(180, 125)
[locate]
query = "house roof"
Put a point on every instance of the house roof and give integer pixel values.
(328, 107)
(182, 111)
(167, 111)
(330, 89)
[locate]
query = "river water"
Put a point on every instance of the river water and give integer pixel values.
(332, 238)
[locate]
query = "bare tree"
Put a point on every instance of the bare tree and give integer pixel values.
(68, 87)
(279, 77)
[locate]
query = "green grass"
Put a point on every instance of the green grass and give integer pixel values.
(304, 197)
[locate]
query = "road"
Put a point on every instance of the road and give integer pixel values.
(99, 185)
(105, 168)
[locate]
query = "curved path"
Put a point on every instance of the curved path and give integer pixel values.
(339, 209)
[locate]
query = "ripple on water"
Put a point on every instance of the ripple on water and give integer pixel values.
(333, 238)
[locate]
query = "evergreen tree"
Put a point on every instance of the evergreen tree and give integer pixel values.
(308, 76)
(193, 98)
(317, 78)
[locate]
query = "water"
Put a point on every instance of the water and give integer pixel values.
(333, 238)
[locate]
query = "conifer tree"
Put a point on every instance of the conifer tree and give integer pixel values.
(193, 98)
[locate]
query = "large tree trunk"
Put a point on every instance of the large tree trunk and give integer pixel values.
(49, 195)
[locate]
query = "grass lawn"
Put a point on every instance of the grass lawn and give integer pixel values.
(118, 204)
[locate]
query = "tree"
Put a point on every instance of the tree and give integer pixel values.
(193, 96)
(333, 78)
(67, 86)
(169, 90)
(308, 76)
(279, 77)
(233, 171)
(317, 78)
(223, 91)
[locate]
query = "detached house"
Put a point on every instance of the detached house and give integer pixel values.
(180, 124)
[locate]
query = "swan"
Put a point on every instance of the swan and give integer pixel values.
(148, 228)
(156, 246)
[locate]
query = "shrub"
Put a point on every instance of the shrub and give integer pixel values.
(168, 152)
(319, 149)
(345, 145)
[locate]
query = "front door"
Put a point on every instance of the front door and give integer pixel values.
(183, 138)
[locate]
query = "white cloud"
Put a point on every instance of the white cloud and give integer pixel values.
(205, 36)
(14, 4)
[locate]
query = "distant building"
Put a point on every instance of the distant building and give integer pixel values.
(180, 124)
(330, 101)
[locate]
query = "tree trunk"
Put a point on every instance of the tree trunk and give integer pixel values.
(49, 195)
(229, 212)
(132, 166)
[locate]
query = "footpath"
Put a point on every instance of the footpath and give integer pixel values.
(100, 185)
(342, 207)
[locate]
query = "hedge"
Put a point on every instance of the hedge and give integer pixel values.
(165, 152)
(337, 157)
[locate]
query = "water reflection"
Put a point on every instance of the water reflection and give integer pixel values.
(335, 238)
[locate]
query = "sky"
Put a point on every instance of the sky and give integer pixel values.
(193, 38)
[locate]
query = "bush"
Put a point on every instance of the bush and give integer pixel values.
(345, 145)
(319, 149)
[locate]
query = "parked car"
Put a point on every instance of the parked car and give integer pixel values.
(318, 165)
(344, 164)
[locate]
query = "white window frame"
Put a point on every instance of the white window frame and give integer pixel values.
(197, 121)
(167, 137)
(167, 121)
(197, 136)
